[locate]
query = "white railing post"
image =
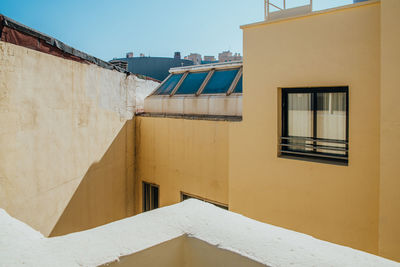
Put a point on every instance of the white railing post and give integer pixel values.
(267, 4)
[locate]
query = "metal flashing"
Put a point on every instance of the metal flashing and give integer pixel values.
(222, 65)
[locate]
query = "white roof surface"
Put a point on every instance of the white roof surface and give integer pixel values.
(271, 245)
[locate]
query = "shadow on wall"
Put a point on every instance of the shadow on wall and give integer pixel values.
(105, 193)
(184, 251)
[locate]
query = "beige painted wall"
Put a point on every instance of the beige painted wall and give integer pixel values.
(166, 254)
(198, 253)
(185, 252)
(65, 131)
(182, 155)
(389, 213)
(331, 202)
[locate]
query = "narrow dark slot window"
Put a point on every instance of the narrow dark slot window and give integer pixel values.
(150, 196)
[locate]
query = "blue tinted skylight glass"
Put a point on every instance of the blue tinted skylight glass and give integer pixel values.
(192, 83)
(169, 85)
(239, 86)
(220, 81)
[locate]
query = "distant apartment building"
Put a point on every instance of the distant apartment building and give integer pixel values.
(209, 58)
(196, 58)
(227, 56)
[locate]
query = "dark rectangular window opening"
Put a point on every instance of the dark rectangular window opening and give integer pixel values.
(185, 196)
(150, 196)
(315, 124)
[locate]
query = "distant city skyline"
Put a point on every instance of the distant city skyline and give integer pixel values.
(155, 28)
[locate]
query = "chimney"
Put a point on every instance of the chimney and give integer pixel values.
(177, 55)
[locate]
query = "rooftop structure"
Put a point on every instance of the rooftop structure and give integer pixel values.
(120, 63)
(209, 58)
(178, 235)
(207, 90)
(196, 58)
(228, 56)
(272, 10)
(278, 9)
(154, 67)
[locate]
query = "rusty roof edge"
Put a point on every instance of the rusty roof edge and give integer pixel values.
(10, 23)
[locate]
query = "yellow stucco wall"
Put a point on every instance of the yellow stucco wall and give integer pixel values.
(389, 219)
(182, 155)
(331, 202)
(66, 139)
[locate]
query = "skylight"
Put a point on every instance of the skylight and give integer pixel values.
(220, 81)
(192, 83)
(167, 87)
(208, 81)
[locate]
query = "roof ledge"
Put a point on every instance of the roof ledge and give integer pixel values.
(296, 15)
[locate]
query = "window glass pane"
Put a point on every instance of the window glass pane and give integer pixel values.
(220, 81)
(331, 120)
(239, 86)
(192, 83)
(146, 197)
(169, 85)
(300, 121)
(150, 197)
(154, 197)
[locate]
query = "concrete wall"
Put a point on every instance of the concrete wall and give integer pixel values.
(185, 252)
(331, 202)
(167, 254)
(389, 219)
(198, 253)
(200, 105)
(67, 141)
(182, 155)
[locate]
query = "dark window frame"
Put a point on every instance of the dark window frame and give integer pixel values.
(284, 150)
(150, 204)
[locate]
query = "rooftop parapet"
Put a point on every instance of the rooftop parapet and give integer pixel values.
(275, 10)
(280, 9)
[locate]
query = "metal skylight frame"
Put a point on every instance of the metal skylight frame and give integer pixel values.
(234, 82)
(203, 85)
(179, 83)
(210, 68)
(161, 84)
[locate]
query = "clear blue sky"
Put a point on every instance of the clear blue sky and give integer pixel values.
(110, 28)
